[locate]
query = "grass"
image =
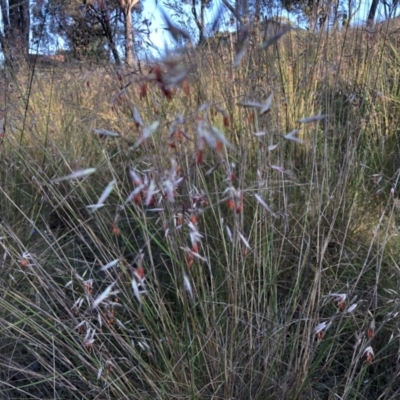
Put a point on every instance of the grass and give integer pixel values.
(241, 262)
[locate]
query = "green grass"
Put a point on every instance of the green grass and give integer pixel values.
(281, 231)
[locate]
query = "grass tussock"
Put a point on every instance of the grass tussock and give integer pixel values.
(201, 230)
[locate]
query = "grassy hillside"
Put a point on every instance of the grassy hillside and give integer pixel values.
(204, 230)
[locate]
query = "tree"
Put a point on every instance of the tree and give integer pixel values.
(16, 25)
(322, 13)
(390, 8)
(311, 9)
(106, 13)
(247, 11)
(372, 12)
(127, 7)
(199, 19)
(183, 15)
(101, 13)
(90, 26)
(90, 33)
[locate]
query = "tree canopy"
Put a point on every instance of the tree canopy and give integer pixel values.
(101, 28)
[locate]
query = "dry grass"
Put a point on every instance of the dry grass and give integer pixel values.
(255, 264)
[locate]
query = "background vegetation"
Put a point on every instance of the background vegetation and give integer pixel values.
(213, 227)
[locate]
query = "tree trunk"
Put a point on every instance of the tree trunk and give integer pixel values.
(19, 20)
(128, 36)
(108, 32)
(4, 14)
(115, 53)
(372, 12)
(242, 8)
(16, 24)
(257, 12)
(199, 22)
(126, 7)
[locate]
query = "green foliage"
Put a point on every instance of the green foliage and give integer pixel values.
(88, 42)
